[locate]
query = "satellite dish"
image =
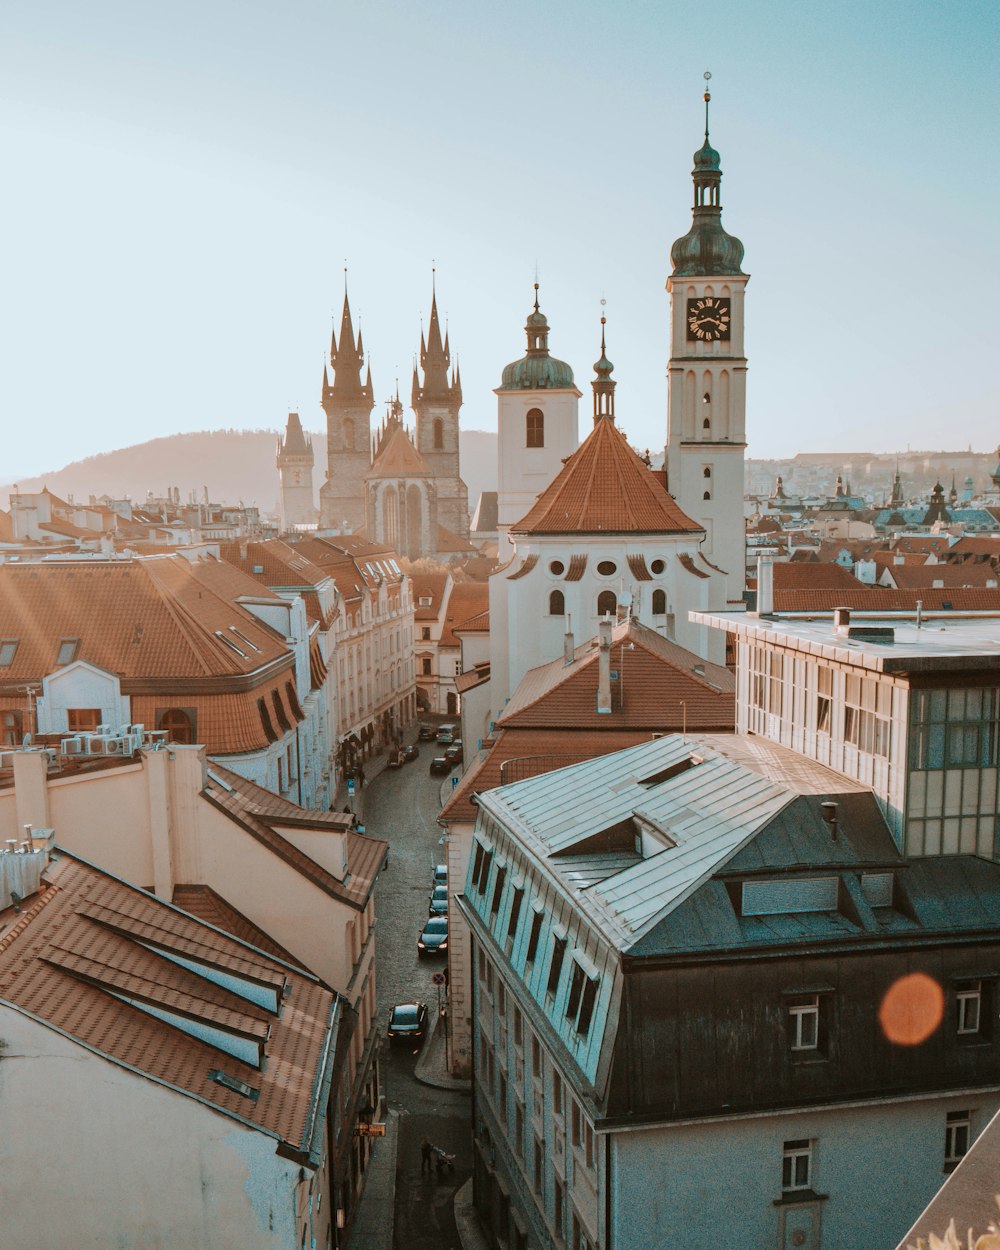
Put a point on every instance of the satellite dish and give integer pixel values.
(26, 740)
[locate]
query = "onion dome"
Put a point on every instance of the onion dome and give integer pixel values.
(603, 385)
(537, 370)
(706, 249)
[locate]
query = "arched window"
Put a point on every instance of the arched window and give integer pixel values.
(438, 435)
(557, 603)
(607, 604)
(706, 472)
(707, 495)
(706, 425)
(177, 724)
(659, 603)
(535, 428)
(349, 433)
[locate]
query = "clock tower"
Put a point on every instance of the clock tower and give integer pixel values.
(706, 402)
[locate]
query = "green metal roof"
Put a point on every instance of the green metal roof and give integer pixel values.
(537, 371)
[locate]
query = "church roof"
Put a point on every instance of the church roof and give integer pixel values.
(397, 457)
(604, 488)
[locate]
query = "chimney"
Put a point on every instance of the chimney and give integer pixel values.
(604, 666)
(765, 586)
(568, 647)
(841, 620)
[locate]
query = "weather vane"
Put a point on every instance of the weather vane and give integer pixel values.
(708, 95)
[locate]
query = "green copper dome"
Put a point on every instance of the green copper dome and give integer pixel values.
(537, 370)
(706, 157)
(706, 250)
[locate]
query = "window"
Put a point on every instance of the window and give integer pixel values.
(265, 720)
(519, 1127)
(575, 992)
(580, 1239)
(536, 929)
(178, 725)
(607, 568)
(425, 633)
(501, 998)
(515, 913)
(68, 648)
(824, 698)
(607, 603)
(536, 1058)
(439, 435)
(659, 603)
(557, 1095)
(706, 472)
(556, 567)
(969, 1003)
(707, 495)
(82, 719)
(957, 1130)
(484, 874)
(534, 434)
(803, 1022)
(657, 567)
(498, 891)
(558, 1200)
(796, 1165)
(555, 967)
(518, 1028)
(12, 728)
(477, 864)
(425, 668)
(954, 728)
(8, 648)
(279, 711)
(557, 603)
(587, 1007)
(538, 1171)
(867, 708)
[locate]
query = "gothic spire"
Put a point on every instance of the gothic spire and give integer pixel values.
(435, 358)
(347, 358)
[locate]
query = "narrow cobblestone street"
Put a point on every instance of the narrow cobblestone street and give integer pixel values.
(401, 805)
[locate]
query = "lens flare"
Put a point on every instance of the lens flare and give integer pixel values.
(911, 1009)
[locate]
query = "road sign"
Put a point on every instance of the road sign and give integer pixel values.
(369, 1130)
(454, 782)
(350, 787)
(438, 978)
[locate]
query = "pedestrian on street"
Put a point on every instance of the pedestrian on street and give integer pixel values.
(426, 1150)
(361, 778)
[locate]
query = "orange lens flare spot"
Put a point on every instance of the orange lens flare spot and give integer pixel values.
(911, 1009)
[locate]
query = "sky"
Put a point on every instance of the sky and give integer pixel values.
(185, 183)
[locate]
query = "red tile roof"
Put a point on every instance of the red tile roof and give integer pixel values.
(921, 576)
(656, 680)
(428, 586)
(604, 488)
(885, 599)
(479, 624)
(467, 599)
(799, 576)
(86, 942)
(202, 902)
(277, 564)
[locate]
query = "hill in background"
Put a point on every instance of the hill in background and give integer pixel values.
(234, 466)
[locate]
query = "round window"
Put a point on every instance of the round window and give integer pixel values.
(607, 567)
(658, 566)
(556, 567)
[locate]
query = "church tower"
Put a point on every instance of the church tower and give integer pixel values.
(706, 416)
(537, 425)
(436, 402)
(295, 471)
(348, 404)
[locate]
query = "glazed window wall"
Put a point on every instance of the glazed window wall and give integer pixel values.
(953, 791)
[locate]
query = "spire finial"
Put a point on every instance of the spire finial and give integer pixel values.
(345, 277)
(708, 96)
(536, 294)
(433, 277)
(603, 322)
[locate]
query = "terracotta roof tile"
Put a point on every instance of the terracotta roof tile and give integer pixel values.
(922, 576)
(604, 488)
(885, 599)
(467, 599)
(397, 457)
(478, 624)
(797, 576)
(69, 959)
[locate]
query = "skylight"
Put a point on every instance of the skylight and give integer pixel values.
(68, 648)
(245, 1049)
(8, 649)
(228, 642)
(265, 996)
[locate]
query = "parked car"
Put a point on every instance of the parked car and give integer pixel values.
(407, 1022)
(454, 753)
(433, 937)
(396, 759)
(440, 875)
(411, 752)
(438, 905)
(441, 764)
(426, 733)
(446, 734)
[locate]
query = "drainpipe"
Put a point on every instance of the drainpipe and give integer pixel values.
(568, 647)
(604, 666)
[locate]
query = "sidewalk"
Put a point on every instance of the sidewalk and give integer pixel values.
(432, 1068)
(373, 1223)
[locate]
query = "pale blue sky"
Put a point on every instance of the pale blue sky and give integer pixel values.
(184, 181)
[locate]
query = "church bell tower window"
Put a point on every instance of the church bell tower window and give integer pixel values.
(535, 428)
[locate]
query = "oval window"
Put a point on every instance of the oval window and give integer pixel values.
(607, 568)
(658, 566)
(556, 567)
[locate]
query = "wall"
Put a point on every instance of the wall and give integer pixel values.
(198, 1178)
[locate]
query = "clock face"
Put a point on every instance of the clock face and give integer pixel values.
(708, 318)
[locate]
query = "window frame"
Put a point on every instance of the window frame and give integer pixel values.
(793, 1154)
(957, 1138)
(534, 428)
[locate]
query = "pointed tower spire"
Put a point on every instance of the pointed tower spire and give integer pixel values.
(603, 385)
(347, 357)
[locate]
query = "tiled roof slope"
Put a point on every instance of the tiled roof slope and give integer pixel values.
(144, 618)
(279, 565)
(202, 902)
(657, 680)
(885, 599)
(258, 810)
(428, 586)
(397, 457)
(467, 600)
(604, 488)
(921, 576)
(799, 576)
(478, 624)
(88, 943)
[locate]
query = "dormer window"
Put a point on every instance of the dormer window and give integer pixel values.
(8, 649)
(68, 650)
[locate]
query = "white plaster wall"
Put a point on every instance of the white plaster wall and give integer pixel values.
(93, 1156)
(879, 1166)
(80, 685)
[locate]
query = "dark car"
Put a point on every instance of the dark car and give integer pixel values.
(441, 764)
(433, 937)
(411, 752)
(407, 1022)
(438, 905)
(426, 733)
(454, 753)
(396, 759)
(440, 874)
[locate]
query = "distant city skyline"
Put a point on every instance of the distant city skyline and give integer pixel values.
(185, 185)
